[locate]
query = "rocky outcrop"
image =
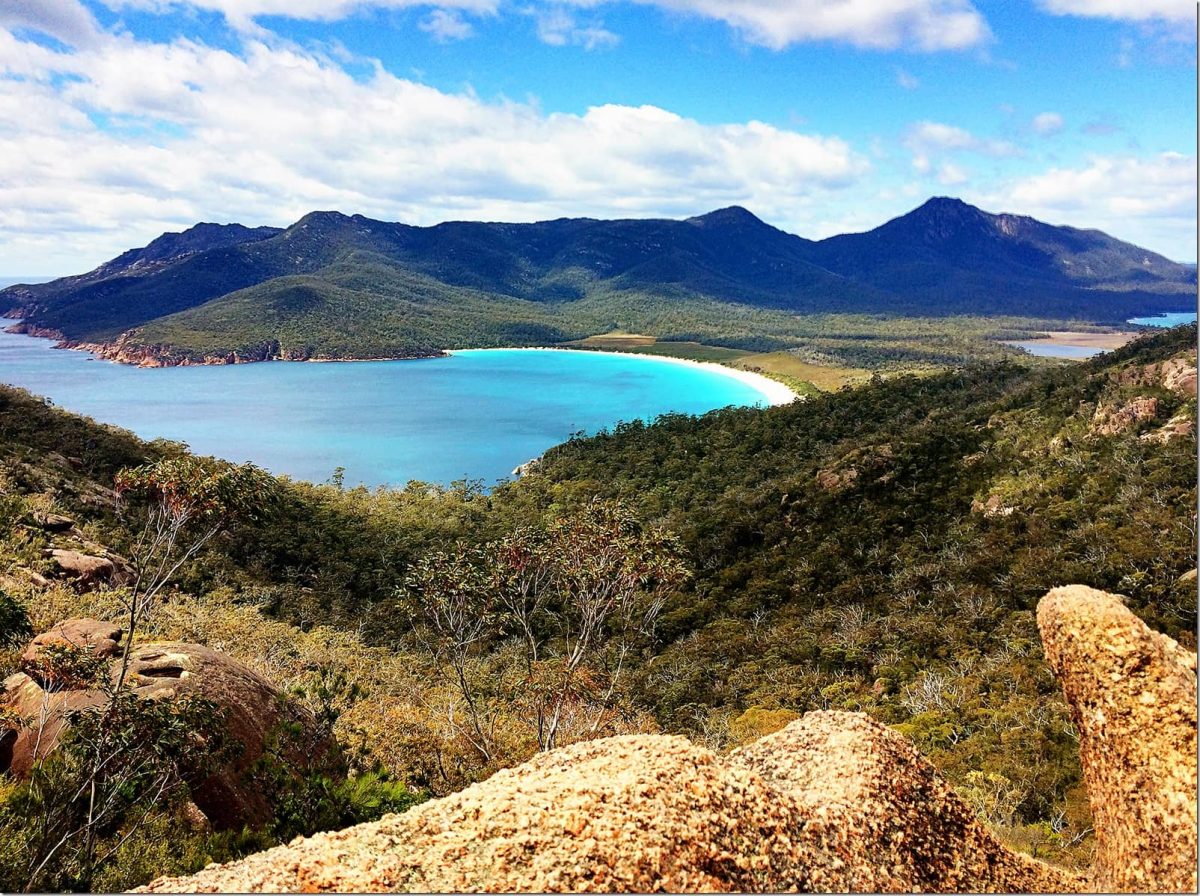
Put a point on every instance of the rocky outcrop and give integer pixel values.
(836, 480)
(256, 716)
(101, 639)
(52, 522)
(654, 813)
(993, 507)
(1132, 694)
(832, 802)
(866, 792)
(127, 349)
(1111, 419)
(1179, 426)
(1176, 375)
(86, 570)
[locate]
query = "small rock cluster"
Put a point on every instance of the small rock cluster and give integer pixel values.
(254, 712)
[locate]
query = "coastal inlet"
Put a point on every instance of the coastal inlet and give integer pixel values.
(472, 415)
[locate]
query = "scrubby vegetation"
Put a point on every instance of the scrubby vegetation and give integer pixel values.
(879, 549)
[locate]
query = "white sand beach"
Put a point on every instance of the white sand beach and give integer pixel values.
(775, 392)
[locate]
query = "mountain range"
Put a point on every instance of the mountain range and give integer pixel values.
(334, 285)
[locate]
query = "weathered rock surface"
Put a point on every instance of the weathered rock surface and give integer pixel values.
(1176, 375)
(1179, 426)
(256, 716)
(1132, 694)
(834, 801)
(1111, 419)
(52, 522)
(993, 507)
(866, 792)
(89, 635)
(85, 569)
(638, 813)
(255, 713)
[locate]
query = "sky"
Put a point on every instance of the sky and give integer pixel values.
(123, 119)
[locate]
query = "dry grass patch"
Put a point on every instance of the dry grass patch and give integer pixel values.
(789, 367)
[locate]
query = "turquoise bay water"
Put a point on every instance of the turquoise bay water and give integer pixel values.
(1167, 319)
(474, 415)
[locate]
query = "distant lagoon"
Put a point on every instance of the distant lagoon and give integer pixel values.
(473, 415)
(1167, 319)
(1045, 349)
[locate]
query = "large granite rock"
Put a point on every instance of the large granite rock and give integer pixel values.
(86, 570)
(101, 639)
(1132, 694)
(256, 716)
(834, 802)
(866, 791)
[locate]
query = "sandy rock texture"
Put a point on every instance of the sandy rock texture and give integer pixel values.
(833, 802)
(867, 792)
(1132, 694)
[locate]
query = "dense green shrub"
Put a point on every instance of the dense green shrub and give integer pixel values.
(14, 622)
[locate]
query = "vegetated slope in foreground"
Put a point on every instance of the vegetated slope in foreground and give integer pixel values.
(328, 281)
(834, 802)
(877, 550)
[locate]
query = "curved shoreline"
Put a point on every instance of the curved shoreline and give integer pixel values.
(775, 392)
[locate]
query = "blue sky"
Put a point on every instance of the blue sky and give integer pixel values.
(124, 118)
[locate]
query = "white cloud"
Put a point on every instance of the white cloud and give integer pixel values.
(1148, 201)
(446, 25)
(1047, 123)
(558, 28)
(106, 147)
(66, 20)
(875, 24)
(934, 134)
(907, 80)
(1130, 10)
(242, 13)
(951, 175)
(928, 139)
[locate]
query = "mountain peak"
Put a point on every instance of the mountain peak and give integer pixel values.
(201, 237)
(321, 218)
(945, 207)
(732, 216)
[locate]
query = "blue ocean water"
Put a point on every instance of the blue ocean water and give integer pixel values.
(1167, 319)
(473, 415)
